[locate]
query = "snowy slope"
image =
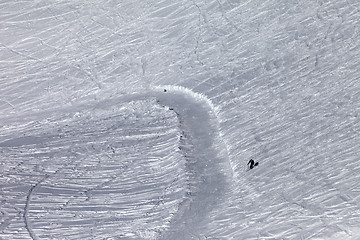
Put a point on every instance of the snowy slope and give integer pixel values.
(92, 147)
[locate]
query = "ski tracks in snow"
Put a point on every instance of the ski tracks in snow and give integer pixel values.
(26, 209)
(207, 168)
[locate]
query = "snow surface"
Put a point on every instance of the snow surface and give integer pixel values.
(136, 119)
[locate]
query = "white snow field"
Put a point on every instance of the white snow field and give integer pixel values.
(136, 119)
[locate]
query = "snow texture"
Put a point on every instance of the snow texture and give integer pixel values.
(136, 119)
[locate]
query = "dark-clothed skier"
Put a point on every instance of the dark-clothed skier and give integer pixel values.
(252, 163)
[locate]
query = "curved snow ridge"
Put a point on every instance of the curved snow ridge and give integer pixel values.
(213, 112)
(186, 91)
(209, 172)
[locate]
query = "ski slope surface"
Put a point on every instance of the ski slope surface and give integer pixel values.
(136, 119)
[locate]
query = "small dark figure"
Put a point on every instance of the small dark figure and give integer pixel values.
(252, 164)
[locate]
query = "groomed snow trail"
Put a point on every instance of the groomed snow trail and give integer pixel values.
(207, 162)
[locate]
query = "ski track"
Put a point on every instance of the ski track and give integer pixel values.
(26, 209)
(206, 166)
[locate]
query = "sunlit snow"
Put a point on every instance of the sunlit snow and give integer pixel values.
(136, 119)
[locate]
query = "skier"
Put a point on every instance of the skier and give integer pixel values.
(252, 163)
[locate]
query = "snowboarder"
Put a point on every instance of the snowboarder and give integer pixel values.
(252, 164)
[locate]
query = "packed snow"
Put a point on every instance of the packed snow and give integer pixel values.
(136, 119)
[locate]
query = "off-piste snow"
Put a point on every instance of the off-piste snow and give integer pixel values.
(139, 119)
